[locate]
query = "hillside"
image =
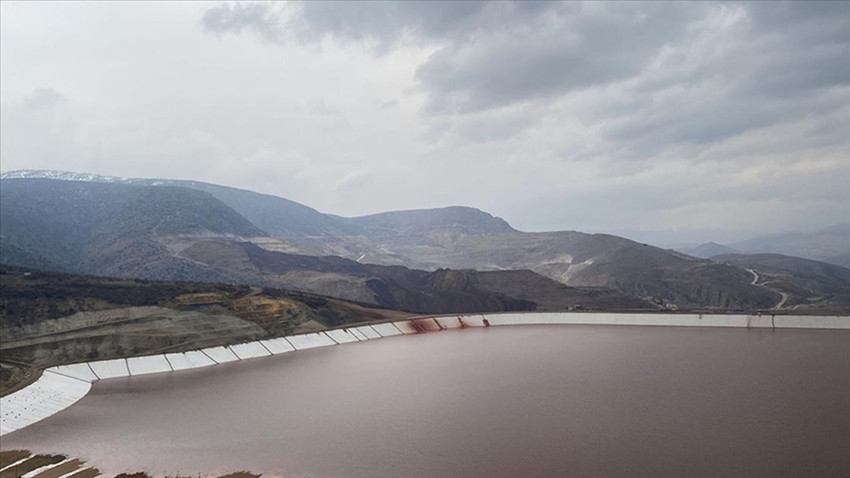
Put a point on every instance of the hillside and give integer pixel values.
(398, 287)
(464, 220)
(805, 284)
(110, 229)
(272, 214)
(831, 245)
(707, 250)
(50, 318)
(572, 258)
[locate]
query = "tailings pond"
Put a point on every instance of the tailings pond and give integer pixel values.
(502, 401)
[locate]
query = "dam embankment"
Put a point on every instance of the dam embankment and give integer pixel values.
(61, 386)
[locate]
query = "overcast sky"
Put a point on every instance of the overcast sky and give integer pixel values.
(669, 123)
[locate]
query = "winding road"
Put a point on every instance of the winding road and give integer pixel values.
(783, 294)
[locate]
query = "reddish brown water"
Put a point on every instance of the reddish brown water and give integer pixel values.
(508, 401)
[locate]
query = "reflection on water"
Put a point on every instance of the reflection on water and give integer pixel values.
(509, 401)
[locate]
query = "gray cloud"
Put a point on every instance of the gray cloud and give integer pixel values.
(383, 24)
(495, 53)
(386, 22)
(385, 105)
(552, 54)
(262, 19)
(759, 66)
(37, 127)
(720, 68)
(41, 98)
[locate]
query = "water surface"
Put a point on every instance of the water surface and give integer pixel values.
(504, 401)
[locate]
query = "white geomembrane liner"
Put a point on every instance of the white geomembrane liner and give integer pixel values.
(77, 370)
(472, 320)
(250, 350)
(188, 360)
(309, 341)
(16, 463)
(278, 346)
(220, 354)
(405, 327)
(386, 330)
(39, 470)
(368, 331)
(671, 319)
(50, 394)
(428, 324)
(358, 334)
(110, 368)
(149, 364)
(448, 322)
(342, 336)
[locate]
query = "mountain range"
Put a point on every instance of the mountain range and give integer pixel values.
(455, 259)
(831, 244)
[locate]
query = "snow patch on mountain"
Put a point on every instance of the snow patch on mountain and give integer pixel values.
(61, 175)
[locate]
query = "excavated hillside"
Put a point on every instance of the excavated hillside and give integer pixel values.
(51, 318)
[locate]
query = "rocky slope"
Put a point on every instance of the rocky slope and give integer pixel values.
(573, 258)
(398, 287)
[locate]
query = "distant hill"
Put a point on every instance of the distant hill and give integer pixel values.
(272, 214)
(110, 229)
(807, 284)
(830, 245)
(458, 219)
(275, 215)
(842, 260)
(707, 250)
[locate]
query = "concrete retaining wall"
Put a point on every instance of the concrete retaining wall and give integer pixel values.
(60, 387)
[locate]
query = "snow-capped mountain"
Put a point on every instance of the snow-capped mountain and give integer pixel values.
(63, 175)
